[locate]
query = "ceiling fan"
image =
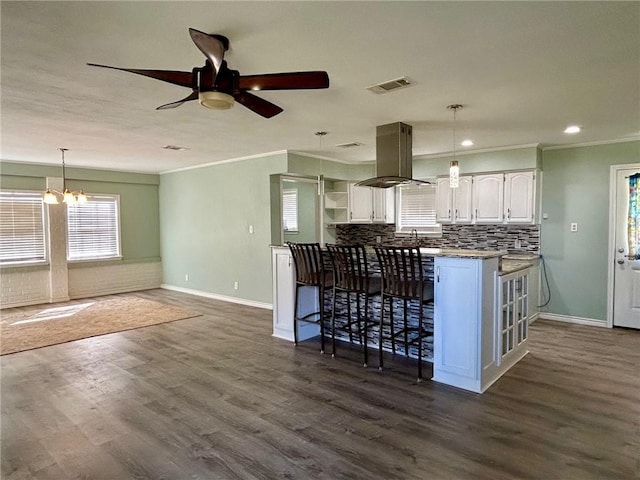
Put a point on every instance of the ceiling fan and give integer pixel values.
(216, 86)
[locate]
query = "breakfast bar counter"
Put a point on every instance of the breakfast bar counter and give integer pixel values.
(478, 330)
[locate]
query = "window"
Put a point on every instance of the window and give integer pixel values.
(93, 228)
(290, 210)
(417, 209)
(22, 228)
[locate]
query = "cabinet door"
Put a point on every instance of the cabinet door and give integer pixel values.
(444, 202)
(519, 197)
(360, 204)
(488, 198)
(383, 205)
(462, 201)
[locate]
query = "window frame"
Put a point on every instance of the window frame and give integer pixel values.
(431, 230)
(45, 231)
(92, 197)
(285, 193)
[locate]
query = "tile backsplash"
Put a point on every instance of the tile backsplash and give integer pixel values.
(479, 237)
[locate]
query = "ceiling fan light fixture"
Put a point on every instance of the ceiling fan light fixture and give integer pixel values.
(216, 100)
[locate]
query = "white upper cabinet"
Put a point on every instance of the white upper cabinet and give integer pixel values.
(519, 197)
(454, 205)
(360, 204)
(491, 198)
(488, 198)
(462, 200)
(384, 201)
(371, 205)
(443, 201)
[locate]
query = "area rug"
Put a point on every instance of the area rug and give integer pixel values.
(38, 326)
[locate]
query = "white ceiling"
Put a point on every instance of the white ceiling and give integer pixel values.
(522, 70)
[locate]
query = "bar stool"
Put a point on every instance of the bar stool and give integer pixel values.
(351, 275)
(310, 272)
(403, 278)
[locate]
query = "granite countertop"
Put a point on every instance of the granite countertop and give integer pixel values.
(511, 266)
(461, 252)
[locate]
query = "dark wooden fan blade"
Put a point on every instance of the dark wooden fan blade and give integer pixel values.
(284, 81)
(213, 46)
(259, 105)
(184, 79)
(166, 106)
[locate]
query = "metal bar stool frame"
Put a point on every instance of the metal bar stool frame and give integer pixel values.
(351, 275)
(403, 277)
(310, 272)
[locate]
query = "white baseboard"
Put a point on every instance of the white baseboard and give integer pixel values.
(569, 319)
(215, 296)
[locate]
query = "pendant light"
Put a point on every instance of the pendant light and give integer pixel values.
(50, 197)
(454, 170)
(320, 134)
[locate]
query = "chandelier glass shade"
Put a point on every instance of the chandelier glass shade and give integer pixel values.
(51, 196)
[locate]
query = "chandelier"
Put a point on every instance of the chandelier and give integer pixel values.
(50, 197)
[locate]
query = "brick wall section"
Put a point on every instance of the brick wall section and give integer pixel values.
(27, 287)
(108, 279)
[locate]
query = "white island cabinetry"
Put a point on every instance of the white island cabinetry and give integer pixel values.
(284, 287)
(464, 320)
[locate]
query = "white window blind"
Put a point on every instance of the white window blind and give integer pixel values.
(93, 228)
(417, 209)
(290, 210)
(22, 228)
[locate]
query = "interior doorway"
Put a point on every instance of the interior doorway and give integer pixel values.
(624, 268)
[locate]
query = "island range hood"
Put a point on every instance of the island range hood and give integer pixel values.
(394, 157)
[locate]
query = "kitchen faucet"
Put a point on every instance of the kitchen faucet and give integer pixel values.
(414, 235)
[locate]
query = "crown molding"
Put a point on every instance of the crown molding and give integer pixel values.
(591, 144)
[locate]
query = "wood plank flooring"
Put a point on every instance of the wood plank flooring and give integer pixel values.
(216, 397)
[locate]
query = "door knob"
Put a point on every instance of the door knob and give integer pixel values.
(620, 262)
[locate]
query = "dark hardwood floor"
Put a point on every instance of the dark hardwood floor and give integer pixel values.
(216, 397)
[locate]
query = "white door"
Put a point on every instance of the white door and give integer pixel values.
(626, 276)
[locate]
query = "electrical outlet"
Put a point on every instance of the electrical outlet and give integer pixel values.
(186, 277)
(517, 243)
(251, 229)
(378, 239)
(235, 285)
(574, 227)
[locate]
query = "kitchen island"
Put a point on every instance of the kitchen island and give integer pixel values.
(478, 330)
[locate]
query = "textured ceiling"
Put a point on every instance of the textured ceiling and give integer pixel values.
(522, 70)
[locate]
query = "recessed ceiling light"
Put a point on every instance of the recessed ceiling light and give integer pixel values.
(573, 129)
(466, 143)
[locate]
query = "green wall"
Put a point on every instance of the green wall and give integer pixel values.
(514, 159)
(139, 201)
(575, 188)
(205, 217)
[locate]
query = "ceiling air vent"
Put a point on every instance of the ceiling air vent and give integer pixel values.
(391, 85)
(349, 145)
(175, 147)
